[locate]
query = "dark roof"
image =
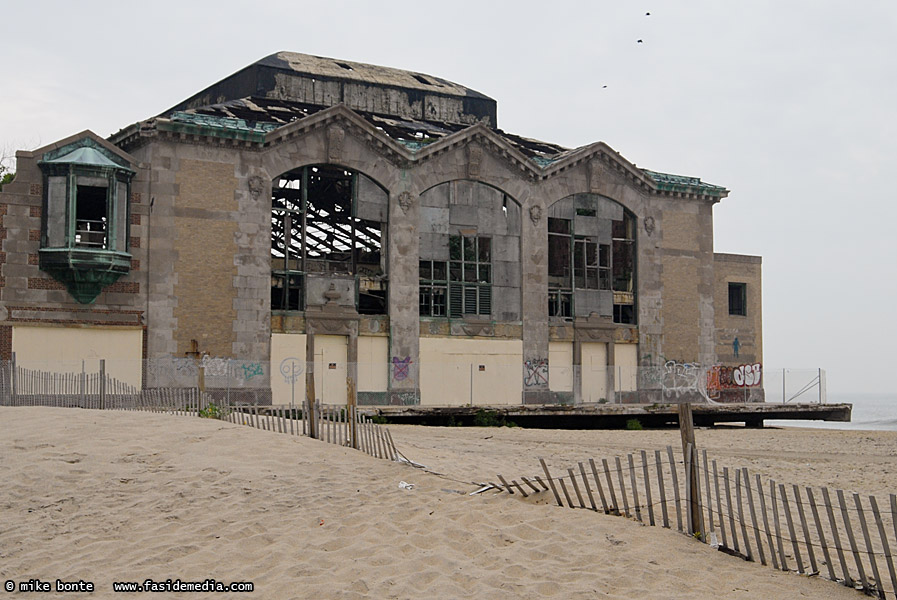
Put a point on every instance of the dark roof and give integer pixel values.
(326, 81)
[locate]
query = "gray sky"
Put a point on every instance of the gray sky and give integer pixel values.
(790, 105)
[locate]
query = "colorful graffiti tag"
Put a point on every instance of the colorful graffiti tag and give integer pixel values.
(721, 377)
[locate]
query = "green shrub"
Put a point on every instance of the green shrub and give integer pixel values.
(212, 411)
(634, 425)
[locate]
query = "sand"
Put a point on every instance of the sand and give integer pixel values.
(125, 496)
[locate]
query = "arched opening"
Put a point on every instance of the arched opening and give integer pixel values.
(591, 259)
(469, 252)
(328, 234)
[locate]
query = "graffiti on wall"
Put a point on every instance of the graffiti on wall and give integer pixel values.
(678, 379)
(215, 367)
(535, 372)
(401, 368)
(184, 371)
(251, 370)
(291, 368)
(721, 377)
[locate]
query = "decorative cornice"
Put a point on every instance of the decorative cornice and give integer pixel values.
(598, 160)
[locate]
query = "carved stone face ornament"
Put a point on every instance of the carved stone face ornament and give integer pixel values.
(535, 214)
(649, 225)
(405, 201)
(256, 185)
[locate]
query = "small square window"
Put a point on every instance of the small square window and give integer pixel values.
(738, 299)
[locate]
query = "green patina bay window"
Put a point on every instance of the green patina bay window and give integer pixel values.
(86, 218)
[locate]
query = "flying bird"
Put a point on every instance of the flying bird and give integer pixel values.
(639, 42)
(647, 14)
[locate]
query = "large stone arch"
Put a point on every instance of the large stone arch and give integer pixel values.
(592, 258)
(328, 231)
(468, 225)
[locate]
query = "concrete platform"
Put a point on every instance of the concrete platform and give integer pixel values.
(611, 416)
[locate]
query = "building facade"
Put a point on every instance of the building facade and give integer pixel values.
(308, 221)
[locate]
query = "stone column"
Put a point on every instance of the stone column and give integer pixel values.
(534, 283)
(404, 280)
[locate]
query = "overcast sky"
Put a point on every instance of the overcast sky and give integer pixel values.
(790, 105)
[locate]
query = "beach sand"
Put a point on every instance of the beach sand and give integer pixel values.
(106, 496)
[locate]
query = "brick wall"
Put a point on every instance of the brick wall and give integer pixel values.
(205, 248)
(748, 328)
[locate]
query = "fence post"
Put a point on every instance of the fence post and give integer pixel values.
(471, 384)
(102, 383)
(310, 393)
(350, 412)
(687, 432)
(783, 386)
(14, 381)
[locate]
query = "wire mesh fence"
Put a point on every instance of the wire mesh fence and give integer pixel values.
(476, 381)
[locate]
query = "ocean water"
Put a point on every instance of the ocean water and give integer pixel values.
(870, 411)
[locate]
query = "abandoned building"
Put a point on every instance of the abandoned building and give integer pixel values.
(309, 220)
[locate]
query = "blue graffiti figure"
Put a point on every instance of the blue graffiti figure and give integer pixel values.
(736, 346)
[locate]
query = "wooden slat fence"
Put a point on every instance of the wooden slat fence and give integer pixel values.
(842, 536)
(335, 425)
(341, 425)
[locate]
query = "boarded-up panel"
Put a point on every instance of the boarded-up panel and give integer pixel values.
(594, 371)
(626, 367)
(288, 368)
(62, 350)
(373, 364)
(455, 372)
(330, 368)
(560, 366)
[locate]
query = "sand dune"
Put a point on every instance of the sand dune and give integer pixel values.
(126, 496)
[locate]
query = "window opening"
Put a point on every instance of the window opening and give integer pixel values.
(433, 288)
(560, 268)
(91, 224)
(738, 299)
(463, 284)
(623, 269)
(315, 231)
(581, 262)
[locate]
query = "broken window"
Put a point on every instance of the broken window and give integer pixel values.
(433, 288)
(470, 275)
(461, 286)
(623, 269)
(591, 264)
(560, 268)
(591, 259)
(90, 216)
(97, 202)
(738, 299)
(316, 230)
(560, 303)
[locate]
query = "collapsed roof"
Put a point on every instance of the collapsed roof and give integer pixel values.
(412, 109)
